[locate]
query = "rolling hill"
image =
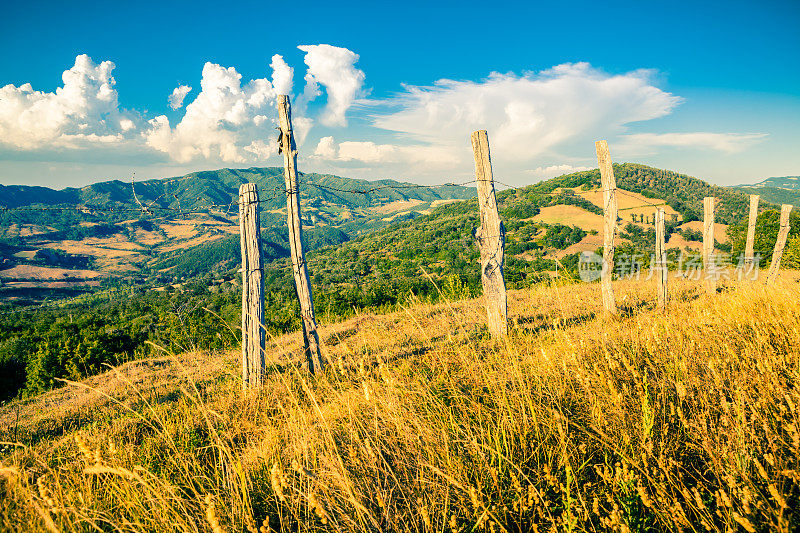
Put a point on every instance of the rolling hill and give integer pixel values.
(783, 182)
(779, 190)
(116, 230)
(189, 297)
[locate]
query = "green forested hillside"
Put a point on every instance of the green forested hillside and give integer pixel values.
(777, 190)
(774, 195)
(779, 182)
(426, 255)
(160, 231)
(198, 189)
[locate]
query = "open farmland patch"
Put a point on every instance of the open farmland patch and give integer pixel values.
(32, 272)
(570, 215)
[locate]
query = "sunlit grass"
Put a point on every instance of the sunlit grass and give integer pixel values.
(684, 420)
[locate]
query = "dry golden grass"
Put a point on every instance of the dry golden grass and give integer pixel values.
(647, 422)
(629, 202)
(34, 272)
(676, 240)
(182, 229)
(148, 238)
(196, 241)
(570, 215)
(720, 230)
(397, 205)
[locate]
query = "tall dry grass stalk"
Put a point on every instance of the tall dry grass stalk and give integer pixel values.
(680, 421)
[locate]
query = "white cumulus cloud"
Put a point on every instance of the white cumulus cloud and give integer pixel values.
(528, 115)
(333, 68)
(226, 121)
(554, 114)
(533, 119)
(282, 75)
(84, 111)
(178, 95)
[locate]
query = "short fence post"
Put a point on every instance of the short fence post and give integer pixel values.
(491, 237)
(299, 268)
(709, 269)
(783, 233)
(253, 334)
(751, 230)
(661, 259)
(609, 184)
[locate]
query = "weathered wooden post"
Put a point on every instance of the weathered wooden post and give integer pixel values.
(253, 333)
(491, 237)
(780, 244)
(299, 268)
(751, 230)
(609, 184)
(661, 258)
(709, 269)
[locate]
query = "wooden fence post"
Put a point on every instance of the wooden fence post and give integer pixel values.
(709, 270)
(299, 268)
(783, 233)
(491, 237)
(751, 230)
(661, 258)
(609, 184)
(253, 333)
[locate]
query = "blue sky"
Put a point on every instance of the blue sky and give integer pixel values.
(708, 89)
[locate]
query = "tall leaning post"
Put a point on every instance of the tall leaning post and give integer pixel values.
(780, 244)
(253, 333)
(709, 269)
(491, 237)
(661, 259)
(610, 212)
(299, 268)
(749, 257)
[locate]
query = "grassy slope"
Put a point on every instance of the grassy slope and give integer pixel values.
(687, 420)
(392, 260)
(378, 271)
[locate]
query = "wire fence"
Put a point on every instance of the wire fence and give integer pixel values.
(265, 196)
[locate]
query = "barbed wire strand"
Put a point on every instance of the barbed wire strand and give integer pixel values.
(277, 192)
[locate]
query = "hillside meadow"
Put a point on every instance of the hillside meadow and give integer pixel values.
(411, 240)
(679, 421)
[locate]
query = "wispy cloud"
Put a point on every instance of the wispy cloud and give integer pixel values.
(729, 143)
(370, 153)
(553, 171)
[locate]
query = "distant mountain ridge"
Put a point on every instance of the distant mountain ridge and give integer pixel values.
(783, 182)
(778, 190)
(160, 248)
(145, 229)
(221, 187)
